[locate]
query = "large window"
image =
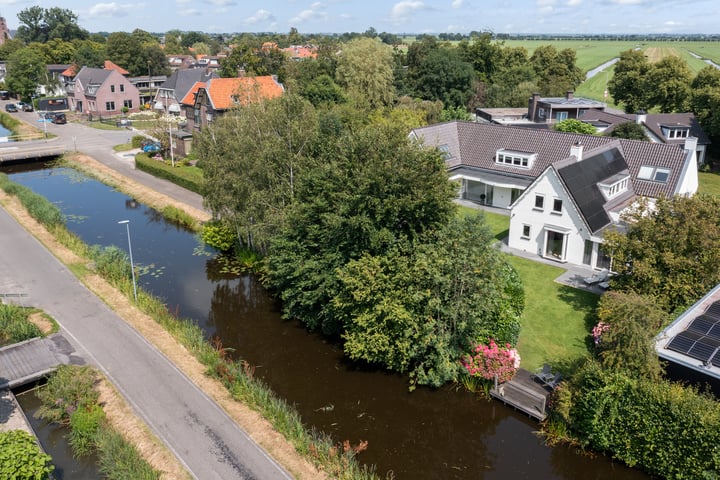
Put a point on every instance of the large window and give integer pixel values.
(128, 104)
(516, 159)
(655, 174)
(560, 116)
(110, 106)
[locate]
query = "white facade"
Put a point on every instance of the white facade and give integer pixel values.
(544, 221)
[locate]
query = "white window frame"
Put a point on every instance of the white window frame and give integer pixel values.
(541, 197)
(528, 228)
(515, 159)
(554, 210)
(652, 173)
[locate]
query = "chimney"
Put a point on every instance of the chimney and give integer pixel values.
(532, 107)
(640, 117)
(691, 143)
(569, 95)
(577, 151)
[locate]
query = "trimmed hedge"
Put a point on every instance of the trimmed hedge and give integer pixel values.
(178, 176)
(665, 428)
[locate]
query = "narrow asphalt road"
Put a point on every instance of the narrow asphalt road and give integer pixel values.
(193, 426)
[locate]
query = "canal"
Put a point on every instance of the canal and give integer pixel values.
(446, 433)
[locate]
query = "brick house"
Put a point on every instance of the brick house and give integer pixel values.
(102, 92)
(207, 100)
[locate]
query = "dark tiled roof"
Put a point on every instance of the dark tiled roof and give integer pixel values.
(581, 181)
(475, 145)
(181, 81)
(92, 76)
(654, 121)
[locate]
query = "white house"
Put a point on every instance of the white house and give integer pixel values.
(563, 190)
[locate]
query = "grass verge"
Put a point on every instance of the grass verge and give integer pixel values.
(235, 377)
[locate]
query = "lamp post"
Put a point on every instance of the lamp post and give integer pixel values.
(132, 266)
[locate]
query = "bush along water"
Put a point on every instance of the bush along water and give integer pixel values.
(70, 398)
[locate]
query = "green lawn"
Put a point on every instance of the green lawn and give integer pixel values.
(709, 183)
(557, 318)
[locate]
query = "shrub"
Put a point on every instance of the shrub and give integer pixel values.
(119, 460)
(14, 325)
(219, 235)
(189, 178)
(21, 458)
(669, 430)
(85, 424)
(67, 390)
(137, 140)
(490, 361)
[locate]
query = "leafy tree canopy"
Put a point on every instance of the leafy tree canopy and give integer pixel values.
(627, 84)
(572, 125)
(26, 70)
(38, 24)
(629, 130)
(671, 251)
(364, 68)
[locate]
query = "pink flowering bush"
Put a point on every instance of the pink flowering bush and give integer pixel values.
(490, 360)
(598, 330)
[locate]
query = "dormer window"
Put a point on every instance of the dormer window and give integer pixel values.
(675, 131)
(515, 159)
(614, 186)
(654, 174)
(445, 151)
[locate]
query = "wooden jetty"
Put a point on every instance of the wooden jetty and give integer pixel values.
(524, 393)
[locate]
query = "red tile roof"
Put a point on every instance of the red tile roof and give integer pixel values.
(111, 66)
(189, 98)
(225, 92)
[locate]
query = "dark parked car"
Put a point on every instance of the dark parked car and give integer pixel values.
(11, 107)
(59, 119)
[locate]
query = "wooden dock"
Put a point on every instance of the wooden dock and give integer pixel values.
(524, 393)
(29, 361)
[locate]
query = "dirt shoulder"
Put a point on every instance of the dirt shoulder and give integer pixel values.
(119, 413)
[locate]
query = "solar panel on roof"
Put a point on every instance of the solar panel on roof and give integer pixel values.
(681, 343)
(702, 324)
(703, 350)
(716, 360)
(714, 310)
(715, 331)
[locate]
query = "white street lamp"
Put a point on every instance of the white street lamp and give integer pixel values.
(132, 266)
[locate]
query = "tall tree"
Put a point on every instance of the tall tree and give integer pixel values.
(40, 25)
(371, 189)
(572, 125)
(251, 158)
(556, 70)
(705, 99)
(667, 84)
(26, 70)
(32, 26)
(670, 251)
(629, 130)
(89, 54)
(443, 75)
(627, 86)
(419, 311)
(62, 24)
(365, 69)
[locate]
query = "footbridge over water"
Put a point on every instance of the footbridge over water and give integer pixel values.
(31, 360)
(13, 152)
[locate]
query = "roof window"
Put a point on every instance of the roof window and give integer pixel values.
(654, 174)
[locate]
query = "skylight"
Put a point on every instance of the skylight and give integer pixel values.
(654, 174)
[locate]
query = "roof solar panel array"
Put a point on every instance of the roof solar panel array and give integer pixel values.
(701, 339)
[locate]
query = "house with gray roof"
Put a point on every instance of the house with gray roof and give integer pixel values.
(563, 190)
(169, 95)
(102, 92)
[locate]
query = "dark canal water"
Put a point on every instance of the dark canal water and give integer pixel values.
(52, 438)
(443, 434)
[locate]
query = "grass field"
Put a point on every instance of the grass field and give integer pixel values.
(709, 183)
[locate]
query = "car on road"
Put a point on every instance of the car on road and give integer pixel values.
(59, 119)
(11, 108)
(150, 147)
(53, 117)
(26, 107)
